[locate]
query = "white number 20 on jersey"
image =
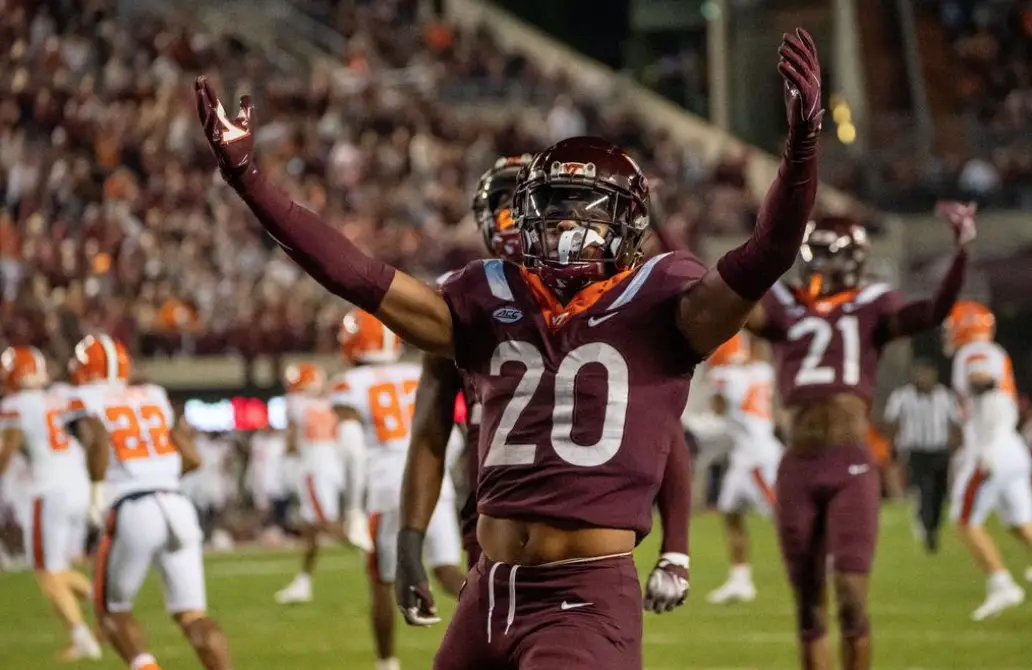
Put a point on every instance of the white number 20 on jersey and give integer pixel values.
(608, 443)
(820, 330)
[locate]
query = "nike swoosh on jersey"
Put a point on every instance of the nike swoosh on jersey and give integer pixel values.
(572, 606)
(595, 320)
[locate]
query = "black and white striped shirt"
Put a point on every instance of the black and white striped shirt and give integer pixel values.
(924, 418)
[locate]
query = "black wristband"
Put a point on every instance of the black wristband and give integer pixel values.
(410, 546)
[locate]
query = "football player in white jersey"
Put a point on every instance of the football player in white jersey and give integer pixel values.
(31, 422)
(312, 434)
(376, 399)
(993, 468)
(743, 387)
(136, 453)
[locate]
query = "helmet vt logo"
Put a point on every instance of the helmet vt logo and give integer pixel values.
(573, 170)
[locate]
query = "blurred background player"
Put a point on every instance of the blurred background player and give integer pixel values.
(828, 333)
(32, 422)
(376, 399)
(312, 434)
(136, 454)
(208, 486)
(743, 389)
(993, 469)
(268, 479)
(441, 385)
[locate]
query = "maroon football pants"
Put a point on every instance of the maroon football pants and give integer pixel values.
(827, 507)
(575, 616)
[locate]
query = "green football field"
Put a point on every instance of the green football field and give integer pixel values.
(920, 614)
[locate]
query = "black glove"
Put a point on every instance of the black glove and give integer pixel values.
(411, 587)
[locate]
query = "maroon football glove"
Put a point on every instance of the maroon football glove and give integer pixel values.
(801, 69)
(231, 140)
(667, 587)
(961, 216)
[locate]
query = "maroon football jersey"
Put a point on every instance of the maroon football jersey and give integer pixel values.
(827, 346)
(579, 404)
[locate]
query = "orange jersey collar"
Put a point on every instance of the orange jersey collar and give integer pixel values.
(554, 312)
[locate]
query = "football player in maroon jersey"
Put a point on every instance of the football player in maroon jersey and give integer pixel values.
(434, 420)
(582, 357)
(827, 334)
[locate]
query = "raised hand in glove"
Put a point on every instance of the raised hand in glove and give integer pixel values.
(800, 68)
(231, 140)
(961, 216)
(411, 586)
(667, 587)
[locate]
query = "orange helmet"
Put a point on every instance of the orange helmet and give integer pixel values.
(23, 367)
(304, 378)
(363, 339)
(99, 358)
(969, 321)
(733, 352)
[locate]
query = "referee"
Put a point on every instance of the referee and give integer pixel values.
(923, 422)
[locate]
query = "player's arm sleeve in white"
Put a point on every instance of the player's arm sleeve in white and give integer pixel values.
(351, 438)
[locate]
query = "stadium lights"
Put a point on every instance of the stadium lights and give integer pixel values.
(846, 133)
(843, 116)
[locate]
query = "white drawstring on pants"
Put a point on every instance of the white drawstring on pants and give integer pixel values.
(491, 598)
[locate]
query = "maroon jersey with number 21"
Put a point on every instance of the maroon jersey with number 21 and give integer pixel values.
(827, 345)
(580, 404)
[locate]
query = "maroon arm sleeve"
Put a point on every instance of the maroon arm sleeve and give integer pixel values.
(920, 315)
(674, 500)
(751, 269)
(322, 251)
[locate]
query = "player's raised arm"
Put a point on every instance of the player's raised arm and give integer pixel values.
(717, 306)
(432, 423)
(920, 315)
(407, 306)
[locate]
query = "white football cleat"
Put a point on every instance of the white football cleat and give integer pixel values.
(298, 591)
(998, 601)
(356, 530)
(733, 590)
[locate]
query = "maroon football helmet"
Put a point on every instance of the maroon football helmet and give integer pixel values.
(834, 251)
(492, 207)
(582, 209)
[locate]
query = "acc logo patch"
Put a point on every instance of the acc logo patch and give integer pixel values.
(507, 314)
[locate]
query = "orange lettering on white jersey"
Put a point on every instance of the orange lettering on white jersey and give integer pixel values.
(57, 460)
(138, 420)
(384, 398)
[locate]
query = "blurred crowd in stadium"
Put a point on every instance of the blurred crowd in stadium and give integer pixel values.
(111, 218)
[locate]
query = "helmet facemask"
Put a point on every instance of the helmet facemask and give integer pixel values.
(832, 262)
(579, 232)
